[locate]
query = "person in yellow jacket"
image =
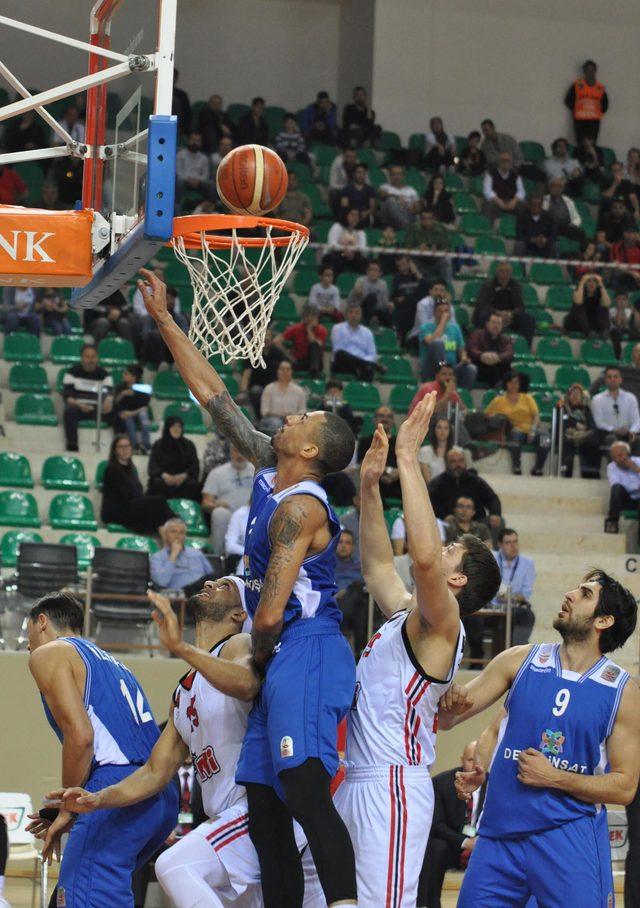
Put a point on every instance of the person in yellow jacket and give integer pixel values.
(522, 412)
(588, 102)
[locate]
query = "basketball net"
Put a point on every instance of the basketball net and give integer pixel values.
(235, 289)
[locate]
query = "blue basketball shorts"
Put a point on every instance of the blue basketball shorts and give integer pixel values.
(105, 847)
(569, 865)
(308, 689)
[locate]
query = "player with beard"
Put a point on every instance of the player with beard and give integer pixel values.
(568, 744)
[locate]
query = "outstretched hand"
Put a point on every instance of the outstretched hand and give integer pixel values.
(374, 461)
(164, 616)
(154, 294)
(76, 800)
(468, 782)
(413, 430)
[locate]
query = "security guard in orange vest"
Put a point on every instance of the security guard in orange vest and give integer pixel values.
(588, 102)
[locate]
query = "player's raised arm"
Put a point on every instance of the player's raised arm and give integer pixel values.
(202, 379)
(380, 576)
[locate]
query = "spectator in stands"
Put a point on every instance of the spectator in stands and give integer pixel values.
(181, 106)
(441, 341)
(296, 205)
(615, 411)
(343, 168)
(623, 473)
(55, 312)
(425, 310)
(495, 144)
(439, 201)
(446, 391)
(235, 536)
(225, 145)
(131, 409)
(589, 313)
(350, 520)
(625, 322)
(359, 195)
(408, 286)
(566, 219)
(346, 245)
(588, 102)
(253, 129)
(226, 488)
(21, 310)
(428, 235)
(390, 479)
(614, 223)
(522, 412)
(13, 189)
(518, 575)
(503, 294)
(502, 188)
(359, 120)
(82, 386)
(177, 565)
(388, 240)
(111, 316)
(320, 120)
(431, 456)
(351, 596)
(324, 296)
(632, 167)
(457, 480)
(154, 349)
(353, 347)
(307, 338)
(535, 230)
(591, 160)
(491, 351)
(123, 500)
(620, 186)
(472, 161)
(214, 123)
(562, 166)
(192, 169)
(50, 198)
(579, 434)
(626, 252)
(25, 133)
(281, 398)
(371, 293)
(333, 402)
(215, 453)
(461, 522)
(290, 143)
(440, 148)
(255, 379)
(73, 123)
(399, 203)
(173, 464)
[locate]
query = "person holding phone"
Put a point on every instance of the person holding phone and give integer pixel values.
(131, 409)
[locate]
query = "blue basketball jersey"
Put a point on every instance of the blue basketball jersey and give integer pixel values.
(313, 594)
(124, 730)
(567, 717)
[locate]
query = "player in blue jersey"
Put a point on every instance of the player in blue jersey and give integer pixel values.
(568, 744)
(308, 668)
(107, 730)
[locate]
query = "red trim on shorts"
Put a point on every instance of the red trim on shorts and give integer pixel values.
(405, 818)
(230, 839)
(392, 840)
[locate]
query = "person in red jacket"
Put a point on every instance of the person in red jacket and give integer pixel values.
(13, 189)
(308, 338)
(588, 102)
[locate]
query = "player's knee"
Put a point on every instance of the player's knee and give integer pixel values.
(164, 865)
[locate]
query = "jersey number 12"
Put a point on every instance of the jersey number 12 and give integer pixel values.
(140, 714)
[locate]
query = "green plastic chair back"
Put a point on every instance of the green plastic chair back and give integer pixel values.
(191, 513)
(64, 472)
(116, 351)
(537, 377)
(85, 544)
(285, 309)
(386, 340)
(28, 377)
(99, 477)
(560, 298)
(554, 350)
(70, 511)
(66, 350)
(398, 370)
(138, 544)
(303, 281)
(543, 273)
(10, 545)
(190, 414)
(401, 396)
(18, 509)
(490, 245)
(474, 224)
(22, 348)
(470, 292)
(507, 226)
(532, 152)
(15, 470)
(169, 386)
(569, 375)
(546, 401)
(35, 410)
(597, 353)
(362, 396)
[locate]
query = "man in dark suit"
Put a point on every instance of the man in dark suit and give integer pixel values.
(453, 831)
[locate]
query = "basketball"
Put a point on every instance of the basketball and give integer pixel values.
(251, 179)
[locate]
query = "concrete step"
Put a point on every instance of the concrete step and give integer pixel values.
(550, 504)
(572, 542)
(548, 517)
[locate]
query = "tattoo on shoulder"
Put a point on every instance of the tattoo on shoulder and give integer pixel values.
(234, 425)
(288, 522)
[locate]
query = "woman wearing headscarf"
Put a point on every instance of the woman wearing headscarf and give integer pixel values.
(123, 498)
(173, 464)
(579, 435)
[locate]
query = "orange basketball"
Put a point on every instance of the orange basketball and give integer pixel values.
(251, 179)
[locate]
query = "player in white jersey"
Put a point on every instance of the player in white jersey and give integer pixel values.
(216, 863)
(386, 799)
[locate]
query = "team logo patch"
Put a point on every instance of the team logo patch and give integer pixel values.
(544, 657)
(610, 673)
(61, 898)
(552, 742)
(286, 746)
(192, 713)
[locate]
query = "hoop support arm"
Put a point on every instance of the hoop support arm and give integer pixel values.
(46, 116)
(62, 39)
(39, 154)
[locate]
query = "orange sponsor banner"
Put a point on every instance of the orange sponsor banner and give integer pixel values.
(40, 248)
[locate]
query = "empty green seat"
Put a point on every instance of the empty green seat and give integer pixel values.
(345, 282)
(570, 375)
(470, 292)
(398, 370)
(608, 155)
(15, 470)
(10, 546)
(547, 273)
(417, 141)
(554, 350)
(61, 471)
(176, 273)
(591, 192)
(401, 396)
(491, 245)
(362, 396)
(28, 377)
(521, 349)
(190, 414)
(546, 401)
(303, 281)
(545, 325)
(169, 386)
(22, 348)
(597, 353)
(35, 410)
(237, 111)
(559, 298)
(191, 513)
(532, 151)
(487, 397)
(285, 309)
(116, 351)
(389, 141)
(386, 340)
(85, 544)
(465, 202)
(530, 296)
(466, 397)
(453, 181)
(474, 224)
(138, 544)
(18, 509)
(70, 511)
(567, 247)
(66, 350)
(536, 374)
(507, 226)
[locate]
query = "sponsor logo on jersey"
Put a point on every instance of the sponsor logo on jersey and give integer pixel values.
(61, 898)
(552, 742)
(286, 746)
(192, 713)
(610, 673)
(544, 657)
(513, 753)
(253, 584)
(206, 764)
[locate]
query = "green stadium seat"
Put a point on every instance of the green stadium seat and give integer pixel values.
(377, 177)
(61, 471)
(567, 247)
(22, 348)
(516, 268)
(221, 368)
(70, 511)
(466, 397)
(491, 245)
(589, 227)
(169, 386)
(474, 224)
(507, 227)
(465, 203)
(554, 350)
(85, 544)
(398, 370)
(237, 111)
(597, 353)
(475, 185)
(530, 296)
(591, 192)
(536, 374)
(401, 396)
(28, 377)
(416, 179)
(470, 292)
(362, 396)
(547, 273)
(457, 242)
(138, 544)
(608, 155)
(191, 513)
(627, 356)
(10, 545)
(417, 141)
(35, 410)
(453, 181)
(386, 340)
(463, 319)
(521, 349)
(175, 273)
(66, 350)
(367, 428)
(274, 116)
(116, 351)
(190, 414)
(18, 509)
(324, 154)
(570, 375)
(545, 324)
(389, 141)
(559, 298)
(15, 470)
(99, 477)
(532, 152)
(390, 517)
(303, 281)
(546, 401)
(487, 397)
(315, 387)
(285, 309)
(345, 282)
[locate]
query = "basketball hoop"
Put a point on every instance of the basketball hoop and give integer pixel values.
(236, 279)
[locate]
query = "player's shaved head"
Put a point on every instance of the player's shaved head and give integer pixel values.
(216, 601)
(336, 443)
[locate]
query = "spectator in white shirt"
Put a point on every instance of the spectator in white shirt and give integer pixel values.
(73, 124)
(346, 245)
(399, 534)
(425, 310)
(324, 296)
(563, 166)
(281, 398)
(615, 411)
(226, 488)
(192, 169)
(372, 293)
(353, 347)
(235, 535)
(623, 474)
(502, 188)
(399, 203)
(225, 145)
(563, 210)
(343, 168)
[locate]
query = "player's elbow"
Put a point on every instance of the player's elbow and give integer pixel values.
(248, 689)
(79, 737)
(627, 792)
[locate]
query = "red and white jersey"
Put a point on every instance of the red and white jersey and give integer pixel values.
(393, 720)
(213, 726)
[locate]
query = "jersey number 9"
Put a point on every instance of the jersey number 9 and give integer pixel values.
(562, 701)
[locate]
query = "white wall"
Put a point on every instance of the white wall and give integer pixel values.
(510, 60)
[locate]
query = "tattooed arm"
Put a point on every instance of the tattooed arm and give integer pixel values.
(298, 526)
(203, 380)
